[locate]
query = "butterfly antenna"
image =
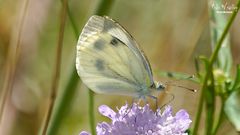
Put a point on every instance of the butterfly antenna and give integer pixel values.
(190, 89)
(171, 83)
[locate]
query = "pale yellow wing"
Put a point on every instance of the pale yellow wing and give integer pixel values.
(107, 65)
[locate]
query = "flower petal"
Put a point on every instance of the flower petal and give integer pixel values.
(106, 111)
(182, 118)
(84, 133)
(134, 119)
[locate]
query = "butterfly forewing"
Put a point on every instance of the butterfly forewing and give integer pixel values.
(105, 62)
(117, 30)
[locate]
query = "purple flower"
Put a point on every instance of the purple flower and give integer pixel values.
(137, 120)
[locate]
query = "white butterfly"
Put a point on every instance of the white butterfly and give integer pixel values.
(109, 60)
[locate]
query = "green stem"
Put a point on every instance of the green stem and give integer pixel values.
(210, 105)
(73, 24)
(104, 7)
(63, 103)
(91, 112)
(220, 117)
(212, 59)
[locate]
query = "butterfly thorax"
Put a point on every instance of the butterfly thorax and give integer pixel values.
(145, 90)
(159, 86)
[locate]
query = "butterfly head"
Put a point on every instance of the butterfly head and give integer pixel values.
(159, 86)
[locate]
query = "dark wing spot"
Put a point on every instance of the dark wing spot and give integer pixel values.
(115, 41)
(99, 44)
(99, 64)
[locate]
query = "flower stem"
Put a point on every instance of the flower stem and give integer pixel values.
(220, 117)
(91, 112)
(212, 59)
(210, 104)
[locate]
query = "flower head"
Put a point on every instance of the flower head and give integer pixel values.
(137, 120)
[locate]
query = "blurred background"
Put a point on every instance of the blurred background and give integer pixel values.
(171, 33)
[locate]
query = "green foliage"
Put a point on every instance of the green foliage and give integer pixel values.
(217, 80)
(217, 24)
(236, 84)
(232, 109)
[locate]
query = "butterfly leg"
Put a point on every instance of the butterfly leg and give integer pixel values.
(143, 98)
(130, 108)
(156, 100)
(172, 98)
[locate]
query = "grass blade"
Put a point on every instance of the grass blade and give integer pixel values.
(57, 69)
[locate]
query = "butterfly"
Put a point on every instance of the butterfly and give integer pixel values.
(109, 60)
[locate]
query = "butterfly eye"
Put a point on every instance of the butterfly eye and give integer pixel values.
(159, 86)
(99, 64)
